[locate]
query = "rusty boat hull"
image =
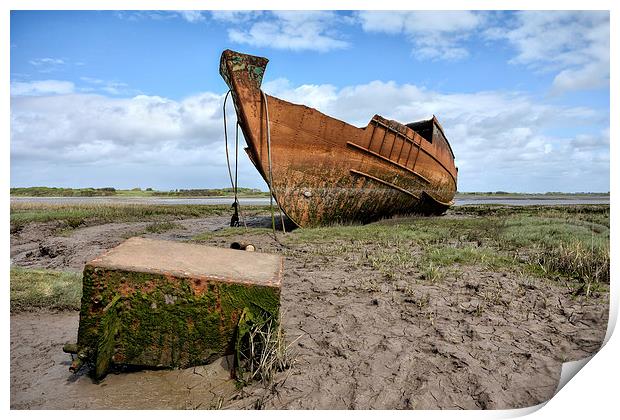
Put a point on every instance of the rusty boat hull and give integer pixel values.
(325, 171)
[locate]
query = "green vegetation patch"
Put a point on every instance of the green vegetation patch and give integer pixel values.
(230, 231)
(63, 192)
(74, 215)
(551, 241)
(35, 289)
(160, 227)
(527, 231)
(134, 192)
(212, 192)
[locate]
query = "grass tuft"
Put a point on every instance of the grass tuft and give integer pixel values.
(75, 215)
(230, 231)
(431, 273)
(160, 227)
(35, 289)
(261, 349)
(587, 266)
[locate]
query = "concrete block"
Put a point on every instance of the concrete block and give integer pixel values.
(153, 303)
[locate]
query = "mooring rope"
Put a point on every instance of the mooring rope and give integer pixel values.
(271, 188)
(273, 220)
(236, 205)
(236, 171)
(234, 181)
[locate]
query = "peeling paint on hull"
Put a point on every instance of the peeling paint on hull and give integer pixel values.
(326, 171)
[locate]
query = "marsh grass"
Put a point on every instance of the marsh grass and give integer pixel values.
(74, 215)
(160, 227)
(393, 262)
(36, 289)
(261, 349)
(527, 231)
(230, 231)
(547, 241)
(431, 273)
(589, 267)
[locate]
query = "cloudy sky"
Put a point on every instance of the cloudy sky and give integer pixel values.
(134, 99)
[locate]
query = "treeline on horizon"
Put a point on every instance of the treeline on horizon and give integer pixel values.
(111, 191)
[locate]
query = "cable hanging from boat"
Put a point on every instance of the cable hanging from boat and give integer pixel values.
(271, 188)
(236, 172)
(234, 221)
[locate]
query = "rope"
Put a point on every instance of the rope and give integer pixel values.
(234, 182)
(234, 221)
(236, 158)
(236, 170)
(273, 220)
(226, 138)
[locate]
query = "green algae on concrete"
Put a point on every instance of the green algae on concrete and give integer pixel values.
(160, 304)
(108, 330)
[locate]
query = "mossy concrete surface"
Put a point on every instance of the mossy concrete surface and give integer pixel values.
(160, 304)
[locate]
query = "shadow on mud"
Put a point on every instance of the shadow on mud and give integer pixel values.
(265, 222)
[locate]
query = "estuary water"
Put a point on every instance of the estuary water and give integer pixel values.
(261, 201)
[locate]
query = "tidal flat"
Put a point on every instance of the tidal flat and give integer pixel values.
(474, 309)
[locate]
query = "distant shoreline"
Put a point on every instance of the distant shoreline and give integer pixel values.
(531, 196)
(52, 192)
(135, 192)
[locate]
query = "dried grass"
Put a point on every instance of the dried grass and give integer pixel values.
(261, 349)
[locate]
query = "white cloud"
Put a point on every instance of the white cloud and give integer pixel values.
(136, 15)
(92, 80)
(47, 64)
(46, 61)
(573, 43)
(192, 16)
(93, 129)
(589, 76)
(435, 34)
(590, 142)
(294, 30)
(93, 140)
(494, 135)
(108, 86)
(235, 16)
(315, 96)
(42, 87)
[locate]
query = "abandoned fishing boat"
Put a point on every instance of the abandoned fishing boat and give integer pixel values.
(321, 170)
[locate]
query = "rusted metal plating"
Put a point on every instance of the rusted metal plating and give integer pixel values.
(326, 171)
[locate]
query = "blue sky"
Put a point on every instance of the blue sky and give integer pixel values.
(133, 98)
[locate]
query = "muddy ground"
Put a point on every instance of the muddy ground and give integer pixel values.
(481, 340)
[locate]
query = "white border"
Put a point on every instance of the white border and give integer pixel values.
(592, 395)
